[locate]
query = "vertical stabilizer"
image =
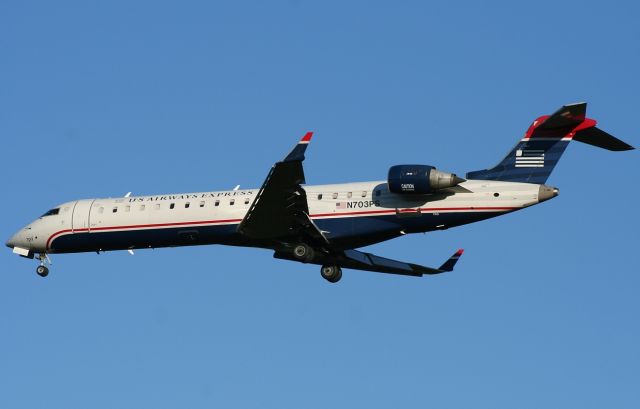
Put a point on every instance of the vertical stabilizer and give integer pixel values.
(533, 158)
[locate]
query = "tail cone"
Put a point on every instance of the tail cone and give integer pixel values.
(547, 192)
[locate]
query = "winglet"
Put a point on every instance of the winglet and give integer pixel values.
(297, 153)
(449, 264)
(307, 137)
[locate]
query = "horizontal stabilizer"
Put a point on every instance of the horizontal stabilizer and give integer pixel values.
(597, 137)
(569, 115)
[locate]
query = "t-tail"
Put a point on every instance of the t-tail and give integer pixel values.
(533, 158)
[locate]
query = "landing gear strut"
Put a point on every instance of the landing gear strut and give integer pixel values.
(332, 274)
(42, 270)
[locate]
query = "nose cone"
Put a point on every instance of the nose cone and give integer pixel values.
(547, 192)
(18, 240)
(11, 243)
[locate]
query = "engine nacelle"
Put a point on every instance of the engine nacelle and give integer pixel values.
(419, 179)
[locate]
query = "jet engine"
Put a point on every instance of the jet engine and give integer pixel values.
(420, 179)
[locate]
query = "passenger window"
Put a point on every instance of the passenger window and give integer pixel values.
(320, 196)
(115, 209)
(202, 203)
(232, 202)
(364, 193)
(127, 208)
(246, 201)
(349, 194)
(142, 207)
(334, 196)
(217, 203)
(186, 205)
(172, 205)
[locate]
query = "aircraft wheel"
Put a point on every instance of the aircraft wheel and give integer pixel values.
(42, 271)
(332, 274)
(303, 253)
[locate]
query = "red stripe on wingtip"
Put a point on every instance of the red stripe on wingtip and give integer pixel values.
(459, 252)
(306, 137)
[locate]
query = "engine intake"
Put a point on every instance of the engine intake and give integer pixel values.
(420, 179)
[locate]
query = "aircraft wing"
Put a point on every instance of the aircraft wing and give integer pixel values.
(280, 208)
(358, 260)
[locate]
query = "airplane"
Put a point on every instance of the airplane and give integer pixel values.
(320, 224)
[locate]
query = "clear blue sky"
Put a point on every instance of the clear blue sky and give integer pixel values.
(102, 98)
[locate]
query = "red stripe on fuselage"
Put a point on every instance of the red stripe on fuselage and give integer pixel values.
(209, 222)
(409, 210)
(140, 226)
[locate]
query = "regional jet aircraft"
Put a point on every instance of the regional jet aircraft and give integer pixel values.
(321, 224)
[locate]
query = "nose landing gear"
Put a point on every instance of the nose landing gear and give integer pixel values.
(42, 270)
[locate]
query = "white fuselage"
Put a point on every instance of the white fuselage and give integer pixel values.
(358, 213)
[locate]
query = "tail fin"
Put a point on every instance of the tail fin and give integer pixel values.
(533, 158)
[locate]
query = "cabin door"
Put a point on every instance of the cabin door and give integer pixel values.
(81, 214)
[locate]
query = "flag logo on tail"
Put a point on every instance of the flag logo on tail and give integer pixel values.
(529, 158)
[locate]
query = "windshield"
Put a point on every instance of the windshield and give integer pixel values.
(51, 212)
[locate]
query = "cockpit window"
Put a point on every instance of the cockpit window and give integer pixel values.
(51, 212)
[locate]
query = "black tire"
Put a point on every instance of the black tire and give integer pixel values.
(42, 271)
(332, 274)
(303, 253)
(338, 277)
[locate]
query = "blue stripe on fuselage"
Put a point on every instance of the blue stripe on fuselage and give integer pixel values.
(343, 232)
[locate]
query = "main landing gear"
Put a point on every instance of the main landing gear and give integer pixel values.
(42, 270)
(306, 254)
(332, 274)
